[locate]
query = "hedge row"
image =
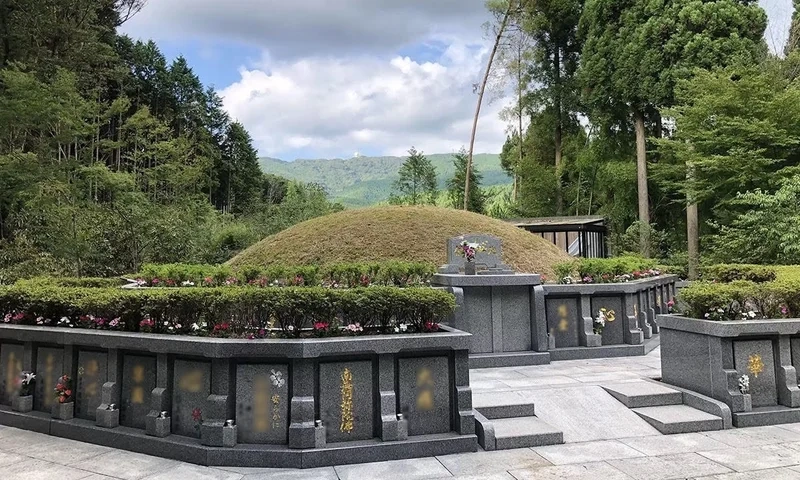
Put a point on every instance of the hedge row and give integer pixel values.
(741, 300)
(726, 273)
(344, 275)
(606, 270)
(228, 311)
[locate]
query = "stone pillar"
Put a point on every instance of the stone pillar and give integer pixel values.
(29, 357)
(107, 413)
(301, 427)
(161, 400)
(497, 320)
(640, 313)
(388, 399)
(786, 375)
(586, 335)
(215, 431)
(464, 416)
(540, 341)
(631, 332)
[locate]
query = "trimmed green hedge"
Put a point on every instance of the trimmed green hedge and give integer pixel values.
(726, 273)
(343, 275)
(86, 282)
(607, 270)
(735, 300)
(224, 311)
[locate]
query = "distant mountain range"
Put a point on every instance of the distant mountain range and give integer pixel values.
(363, 181)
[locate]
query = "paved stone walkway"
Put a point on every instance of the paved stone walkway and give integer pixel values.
(597, 448)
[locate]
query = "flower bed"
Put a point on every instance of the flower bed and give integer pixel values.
(229, 311)
(608, 270)
(296, 402)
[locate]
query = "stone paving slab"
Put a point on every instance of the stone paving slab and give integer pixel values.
(771, 474)
(250, 473)
(492, 462)
(755, 458)
(588, 471)
(666, 467)
(587, 452)
(748, 437)
(194, 472)
(125, 465)
(418, 468)
(40, 470)
(671, 444)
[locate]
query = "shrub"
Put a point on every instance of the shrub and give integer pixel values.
(605, 270)
(734, 300)
(726, 273)
(225, 310)
(346, 275)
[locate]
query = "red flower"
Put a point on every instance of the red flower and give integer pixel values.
(321, 325)
(197, 414)
(68, 393)
(221, 327)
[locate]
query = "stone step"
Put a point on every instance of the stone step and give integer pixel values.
(670, 419)
(523, 432)
(760, 416)
(642, 393)
(494, 405)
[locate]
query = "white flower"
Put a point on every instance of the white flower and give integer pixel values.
(195, 327)
(403, 327)
(187, 283)
(166, 323)
(719, 310)
(290, 328)
(707, 315)
(276, 377)
(751, 314)
(744, 384)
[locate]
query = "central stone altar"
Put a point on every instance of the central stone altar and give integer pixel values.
(516, 320)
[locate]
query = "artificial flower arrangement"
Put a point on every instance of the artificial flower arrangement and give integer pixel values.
(603, 316)
(25, 383)
(64, 389)
(468, 250)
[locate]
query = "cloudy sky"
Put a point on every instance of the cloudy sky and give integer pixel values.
(323, 78)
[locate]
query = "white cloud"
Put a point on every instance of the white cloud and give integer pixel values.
(333, 106)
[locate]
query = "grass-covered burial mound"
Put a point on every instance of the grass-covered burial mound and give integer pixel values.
(396, 233)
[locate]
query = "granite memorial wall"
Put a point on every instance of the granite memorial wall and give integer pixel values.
(279, 402)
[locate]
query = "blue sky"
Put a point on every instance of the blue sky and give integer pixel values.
(322, 79)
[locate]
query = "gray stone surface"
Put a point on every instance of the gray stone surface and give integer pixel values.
(346, 396)
(644, 394)
(671, 444)
(755, 359)
(587, 452)
(10, 368)
(487, 463)
(126, 465)
(684, 465)
(761, 416)
(613, 332)
(522, 432)
(587, 471)
(191, 387)
(92, 374)
(425, 394)
(262, 403)
(757, 457)
(494, 405)
(670, 419)
(563, 321)
(405, 469)
(138, 382)
(49, 364)
(515, 314)
(477, 318)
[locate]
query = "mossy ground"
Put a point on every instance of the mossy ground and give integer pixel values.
(396, 233)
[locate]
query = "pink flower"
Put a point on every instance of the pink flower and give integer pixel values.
(154, 281)
(114, 322)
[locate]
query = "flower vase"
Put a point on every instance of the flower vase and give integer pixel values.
(469, 268)
(63, 411)
(22, 403)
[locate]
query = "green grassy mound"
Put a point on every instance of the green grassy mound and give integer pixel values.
(396, 233)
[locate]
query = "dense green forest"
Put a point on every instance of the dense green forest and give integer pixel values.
(112, 156)
(362, 181)
(659, 118)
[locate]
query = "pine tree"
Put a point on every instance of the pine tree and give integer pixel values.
(417, 182)
(455, 186)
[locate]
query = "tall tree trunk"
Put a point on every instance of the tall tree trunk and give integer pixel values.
(519, 119)
(641, 178)
(559, 128)
(500, 31)
(692, 228)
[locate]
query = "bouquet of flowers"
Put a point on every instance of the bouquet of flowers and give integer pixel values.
(25, 383)
(468, 250)
(64, 389)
